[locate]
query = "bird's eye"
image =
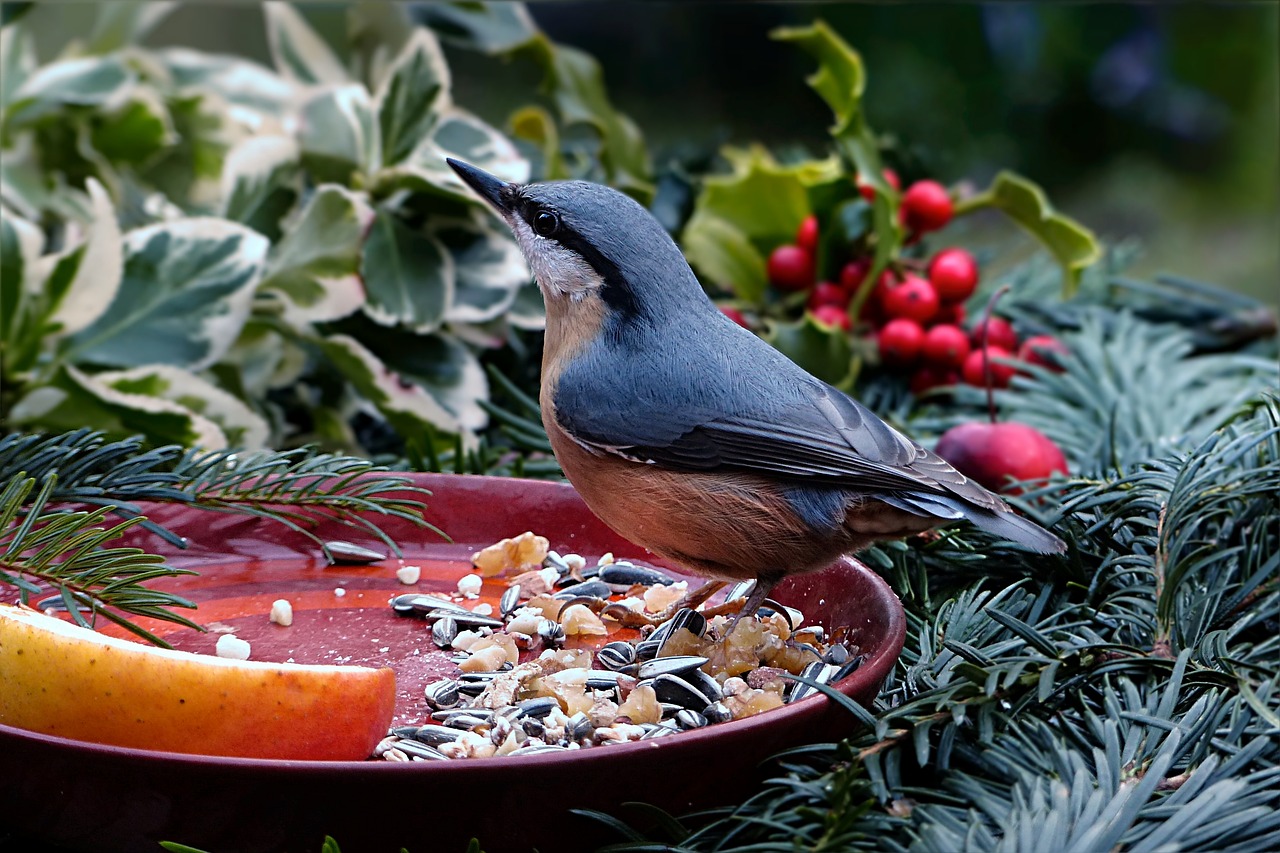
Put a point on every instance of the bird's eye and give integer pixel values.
(545, 223)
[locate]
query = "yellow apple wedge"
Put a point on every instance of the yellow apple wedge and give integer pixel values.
(60, 679)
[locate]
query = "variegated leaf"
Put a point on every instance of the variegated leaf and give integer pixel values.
(490, 267)
(17, 60)
(265, 359)
(186, 292)
(86, 81)
(412, 95)
(83, 280)
(313, 269)
(134, 127)
(299, 52)
(338, 134)
(463, 136)
(259, 182)
(21, 243)
(488, 27)
(528, 311)
(256, 93)
(241, 426)
(124, 22)
(408, 275)
(73, 398)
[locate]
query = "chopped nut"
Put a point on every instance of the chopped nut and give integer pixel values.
(469, 585)
(641, 706)
(525, 551)
(281, 612)
(231, 646)
(485, 660)
(658, 598)
(578, 620)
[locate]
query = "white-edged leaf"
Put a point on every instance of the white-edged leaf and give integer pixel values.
(17, 60)
(265, 360)
(187, 290)
(338, 133)
(463, 136)
(84, 280)
(73, 398)
(412, 95)
(313, 269)
(408, 406)
(528, 310)
(490, 267)
(241, 82)
(488, 27)
(299, 52)
(259, 182)
(21, 243)
(124, 22)
(85, 81)
(408, 275)
(240, 425)
(134, 127)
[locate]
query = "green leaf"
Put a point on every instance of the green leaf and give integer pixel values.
(824, 352)
(122, 23)
(189, 173)
(17, 60)
(73, 398)
(241, 427)
(84, 280)
(260, 183)
(408, 275)
(87, 81)
(575, 82)
(489, 267)
(1073, 245)
(433, 382)
(241, 82)
(21, 243)
(487, 27)
(186, 293)
(414, 92)
(338, 134)
(313, 270)
(300, 54)
(839, 79)
(465, 137)
(135, 130)
(739, 216)
(535, 125)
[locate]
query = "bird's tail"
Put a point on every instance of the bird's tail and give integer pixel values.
(1008, 524)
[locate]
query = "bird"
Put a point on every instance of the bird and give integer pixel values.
(690, 436)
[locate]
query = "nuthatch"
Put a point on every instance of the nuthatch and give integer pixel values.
(692, 437)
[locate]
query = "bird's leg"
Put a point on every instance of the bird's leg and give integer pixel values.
(631, 619)
(759, 593)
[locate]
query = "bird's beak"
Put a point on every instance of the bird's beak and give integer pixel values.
(493, 190)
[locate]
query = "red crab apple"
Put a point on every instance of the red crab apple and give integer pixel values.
(994, 454)
(999, 334)
(900, 341)
(833, 316)
(946, 347)
(954, 274)
(1041, 349)
(826, 293)
(790, 268)
(974, 367)
(807, 234)
(735, 315)
(926, 206)
(890, 177)
(914, 299)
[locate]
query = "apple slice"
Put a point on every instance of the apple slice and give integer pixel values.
(61, 679)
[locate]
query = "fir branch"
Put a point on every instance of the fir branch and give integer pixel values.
(63, 552)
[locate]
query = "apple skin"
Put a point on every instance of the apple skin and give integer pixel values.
(64, 680)
(992, 454)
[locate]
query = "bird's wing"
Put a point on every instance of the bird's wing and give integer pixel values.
(818, 435)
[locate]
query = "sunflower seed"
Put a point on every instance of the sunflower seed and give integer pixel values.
(447, 717)
(689, 619)
(551, 632)
(415, 749)
(592, 589)
(707, 685)
(465, 618)
(717, 712)
(673, 665)
(579, 727)
(510, 600)
(426, 604)
(850, 666)
(659, 730)
(648, 649)
(554, 560)
(442, 694)
(677, 691)
(540, 707)
(739, 590)
(617, 656)
(625, 575)
(434, 735)
(689, 719)
(346, 553)
(837, 654)
(444, 631)
(533, 726)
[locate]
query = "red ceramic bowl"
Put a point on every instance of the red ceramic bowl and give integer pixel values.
(85, 796)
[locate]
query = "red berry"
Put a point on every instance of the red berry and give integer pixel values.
(735, 315)
(945, 346)
(954, 274)
(890, 177)
(807, 234)
(832, 316)
(951, 312)
(929, 377)
(926, 206)
(826, 293)
(1041, 349)
(853, 274)
(974, 371)
(900, 341)
(1000, 334)
(993, 454)
(914, 299)
(791, 268)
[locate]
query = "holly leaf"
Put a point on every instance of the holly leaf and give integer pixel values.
(408, 275)
(300, 54)
(313, 270)
(740, 216)
(122, 404)
(260, 183)
(412, 95)
(185, 294)
(1073, 245)
(824, 352)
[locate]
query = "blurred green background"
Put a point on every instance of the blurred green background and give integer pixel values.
(1158, 122)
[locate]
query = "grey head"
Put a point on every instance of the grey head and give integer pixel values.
(584, 240)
